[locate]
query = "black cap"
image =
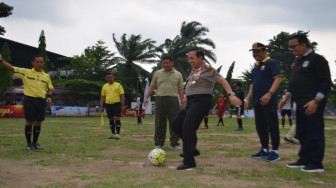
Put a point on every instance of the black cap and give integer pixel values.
(258, 46)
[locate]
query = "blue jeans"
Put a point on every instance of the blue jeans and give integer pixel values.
(310, 132)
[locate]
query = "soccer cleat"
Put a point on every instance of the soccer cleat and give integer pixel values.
(312, 168)
(288, 141)
(222, 124)
(111, 137)
(239, 129)
(260, 154)
(175, 147)
(204, 127)
(272, 156)
(30, 146)
(117, 137)
(297, 164)
(38, 146)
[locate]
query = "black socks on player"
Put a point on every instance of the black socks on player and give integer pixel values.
(28, 133)
(118, 126)
(112, 126)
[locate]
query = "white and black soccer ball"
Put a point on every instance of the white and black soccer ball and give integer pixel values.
(157, 157)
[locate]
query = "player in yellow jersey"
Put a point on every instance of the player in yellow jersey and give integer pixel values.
(37, 89)
(113, 98)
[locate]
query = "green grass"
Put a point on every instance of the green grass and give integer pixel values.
(78, 151)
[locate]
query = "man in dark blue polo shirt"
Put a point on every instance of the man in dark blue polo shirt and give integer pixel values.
(266, 77)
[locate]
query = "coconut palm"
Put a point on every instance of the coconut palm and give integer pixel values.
(134, 50)
(191, 36)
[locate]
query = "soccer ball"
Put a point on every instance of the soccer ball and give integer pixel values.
(157, 157)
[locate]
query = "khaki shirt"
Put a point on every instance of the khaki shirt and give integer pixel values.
(35, 84)
(167, 83)
(112, 92)
(201, 80)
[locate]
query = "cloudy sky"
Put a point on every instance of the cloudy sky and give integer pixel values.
(72, 25)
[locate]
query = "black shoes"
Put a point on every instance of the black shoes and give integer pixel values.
(30, 146)
(186, 166)
(34, 146)
(196, 153)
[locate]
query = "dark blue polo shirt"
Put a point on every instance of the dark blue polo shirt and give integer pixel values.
(263, 77)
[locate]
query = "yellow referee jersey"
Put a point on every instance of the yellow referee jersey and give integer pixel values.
(35, 84)
(112, 92)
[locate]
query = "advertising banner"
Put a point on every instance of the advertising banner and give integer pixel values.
(11, 111)
(69, 111)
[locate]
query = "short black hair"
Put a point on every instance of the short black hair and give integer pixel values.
(301, 38)
(199, 52)
(109, 73)
(167, 57)
(35, 56)
(239, 84)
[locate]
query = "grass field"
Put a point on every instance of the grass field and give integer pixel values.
(78, 154)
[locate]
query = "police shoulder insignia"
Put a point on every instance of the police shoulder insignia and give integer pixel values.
(212, 71)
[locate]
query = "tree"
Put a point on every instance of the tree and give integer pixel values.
(193, 32)
(5, 11)
(42, 51)
(88, 72)
(134, 50)
(93, 64)
(191, 36)
(5, 78)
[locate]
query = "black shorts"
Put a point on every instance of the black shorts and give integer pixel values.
(240, 110)
(34, 108)
(113, 110)
(286, 111)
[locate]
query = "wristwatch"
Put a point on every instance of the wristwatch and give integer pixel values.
(317, 101)
(271, 92)
(231, 94)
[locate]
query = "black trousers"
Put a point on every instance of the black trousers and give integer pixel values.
(267, 123)
(188, 121)
(310, 132)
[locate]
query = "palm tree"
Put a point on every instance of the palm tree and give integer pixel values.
(194, 32)
(134, 50)
(191, 36)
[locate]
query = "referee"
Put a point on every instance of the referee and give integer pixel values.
(199, 90)
(113, 98)
(37, 87)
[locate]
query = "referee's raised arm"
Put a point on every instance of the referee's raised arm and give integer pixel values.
(5, 64)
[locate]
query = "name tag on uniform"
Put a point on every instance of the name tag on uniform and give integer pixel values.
(305, 64)
(262, 67)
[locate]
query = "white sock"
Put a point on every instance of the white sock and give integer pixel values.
(276, 151)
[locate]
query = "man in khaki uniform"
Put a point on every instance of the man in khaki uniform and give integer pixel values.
(168, 84)
(37, 88)
(199, 90)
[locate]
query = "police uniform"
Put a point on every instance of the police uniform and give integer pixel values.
(199, 90)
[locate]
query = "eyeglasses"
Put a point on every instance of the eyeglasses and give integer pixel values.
(293, 46)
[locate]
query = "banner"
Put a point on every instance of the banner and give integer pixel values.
(11, 111)
(69, 111)
(133, 113)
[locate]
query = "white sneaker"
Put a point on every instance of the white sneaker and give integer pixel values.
(158, 147)
(176, 147)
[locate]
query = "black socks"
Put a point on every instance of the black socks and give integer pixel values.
(28, 133)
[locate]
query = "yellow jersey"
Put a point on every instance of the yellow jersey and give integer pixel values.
(35, 84)
(112, 92)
